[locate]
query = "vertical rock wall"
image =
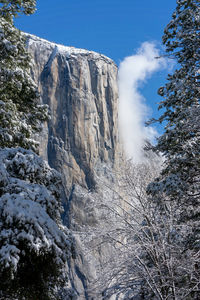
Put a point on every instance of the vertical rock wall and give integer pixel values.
(81, 139)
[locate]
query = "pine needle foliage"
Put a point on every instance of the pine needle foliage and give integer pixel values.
(21, 112)
(177, 190)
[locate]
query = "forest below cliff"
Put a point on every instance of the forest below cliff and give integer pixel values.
(148, 213)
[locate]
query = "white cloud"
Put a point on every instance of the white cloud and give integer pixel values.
(134, 70)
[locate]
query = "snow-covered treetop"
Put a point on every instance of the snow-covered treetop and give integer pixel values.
(181, 34)
(180, 142)
(11, 8)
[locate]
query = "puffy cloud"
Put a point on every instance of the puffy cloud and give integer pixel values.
(134, 70)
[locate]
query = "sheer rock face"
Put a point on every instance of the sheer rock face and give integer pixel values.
(80, 88)
(81, 139)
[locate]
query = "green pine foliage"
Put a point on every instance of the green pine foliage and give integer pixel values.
(10, 8)
(34, 245)
(20, 110)
(177, 190)
(180, 143)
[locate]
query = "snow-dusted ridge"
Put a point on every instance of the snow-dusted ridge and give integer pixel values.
(66, 50)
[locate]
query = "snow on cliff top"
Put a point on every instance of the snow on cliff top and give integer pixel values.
(66, 50)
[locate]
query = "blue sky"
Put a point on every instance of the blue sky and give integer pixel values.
(116, 28)
(112, 27)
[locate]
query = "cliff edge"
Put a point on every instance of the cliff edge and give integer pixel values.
(81, 139)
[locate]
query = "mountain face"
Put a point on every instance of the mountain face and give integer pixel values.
(81, 140)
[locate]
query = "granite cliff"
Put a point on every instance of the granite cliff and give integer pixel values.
(81, 141)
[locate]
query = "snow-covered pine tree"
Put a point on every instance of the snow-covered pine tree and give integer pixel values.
(180, 142)
(178, 186)
(34, 246)
(10, 8)
(20, 110)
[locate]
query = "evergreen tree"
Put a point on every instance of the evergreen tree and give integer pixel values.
(20, 110)
(10, 8)
(176, 190)
(34, 245)
(180, 143)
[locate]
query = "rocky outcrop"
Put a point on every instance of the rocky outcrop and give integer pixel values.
(81, 139)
